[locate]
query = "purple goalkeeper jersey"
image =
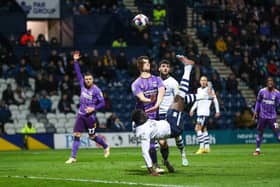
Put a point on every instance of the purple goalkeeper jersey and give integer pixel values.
(149, 86)
(266, 103)
(90, 97)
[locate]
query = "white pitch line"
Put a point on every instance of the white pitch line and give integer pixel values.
(95, 181)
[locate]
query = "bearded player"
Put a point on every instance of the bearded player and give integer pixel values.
(91, 99)
(265, 110)
(171, 89)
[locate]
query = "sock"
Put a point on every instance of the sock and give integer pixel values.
(190, 98)
(200, 139)
(75, 147)
(100, 141)
(206, 140)
(259, 140)
(180, 145)
(164, 152)
(153, 153)
(184, 84)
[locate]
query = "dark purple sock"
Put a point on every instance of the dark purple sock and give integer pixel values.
(100, 141)
(259, 139)
(153, 153)
(164, 153)
(75, 147)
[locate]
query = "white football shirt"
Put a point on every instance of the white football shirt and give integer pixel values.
(152, 129)
(203, 106)
(171, 88)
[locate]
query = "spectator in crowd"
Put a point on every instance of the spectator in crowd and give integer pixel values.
(204, 59)
(64, 104)
(245, 69)
(19, 96)
(272, 68)
(66, 85)
(5, 115)
(35, 60)
(217, 85)
(119, 43)
(95, 59)
(221, 46)
(34, 106)
(232, 84)
(45, 102)
(27, 129)
(8, 95)
(41, 41)
(115, 124)
(41, 83)
(52, 85)
(203, 32)
(108, 104)
(159, 14)
(121, 60)
(243, 119)
(27, 38)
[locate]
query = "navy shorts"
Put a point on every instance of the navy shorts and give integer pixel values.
(175, 120)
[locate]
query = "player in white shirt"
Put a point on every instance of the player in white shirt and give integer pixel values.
(147, 129)
(171, 88)
(202, 108)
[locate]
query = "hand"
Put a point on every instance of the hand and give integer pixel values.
(89, 110)
(217, 114)
(154, 108)
(191, 113)
(255, 115)
(76, 55)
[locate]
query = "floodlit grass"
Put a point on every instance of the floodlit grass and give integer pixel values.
(227, 165)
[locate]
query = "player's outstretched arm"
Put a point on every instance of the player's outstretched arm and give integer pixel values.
(257, 106)
(76, 57)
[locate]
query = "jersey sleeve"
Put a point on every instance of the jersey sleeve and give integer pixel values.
(78, 73)
(258, 102)
(100, 99)
(136, 89)
(160, 82)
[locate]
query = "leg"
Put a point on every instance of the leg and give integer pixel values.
(181, 147)
(165, 152)
(275, 128)
(153, 153)
(260, 128)
(198, 129)
(78, 128)
(206, 140)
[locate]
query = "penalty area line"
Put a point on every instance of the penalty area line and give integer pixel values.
(95, 181)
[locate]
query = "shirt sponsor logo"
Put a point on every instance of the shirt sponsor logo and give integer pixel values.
(269, 102)
(87, 95)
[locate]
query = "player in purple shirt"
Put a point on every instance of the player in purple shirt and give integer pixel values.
(267, 101)
(91, 99)
(149, 91)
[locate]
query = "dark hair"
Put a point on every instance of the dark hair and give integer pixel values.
(164, 61)
(139, 117)
(141, 61)
(88, 74)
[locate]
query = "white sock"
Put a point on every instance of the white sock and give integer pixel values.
(206, 140)
(200, 139)
(184, 84)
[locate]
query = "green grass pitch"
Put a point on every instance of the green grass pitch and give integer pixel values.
(226, 165)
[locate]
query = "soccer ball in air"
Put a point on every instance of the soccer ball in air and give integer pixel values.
(140, 21)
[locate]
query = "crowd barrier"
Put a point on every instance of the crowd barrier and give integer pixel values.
(126, 139)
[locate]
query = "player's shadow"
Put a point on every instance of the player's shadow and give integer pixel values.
(135, 172)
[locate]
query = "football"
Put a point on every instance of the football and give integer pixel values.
(140, 21)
